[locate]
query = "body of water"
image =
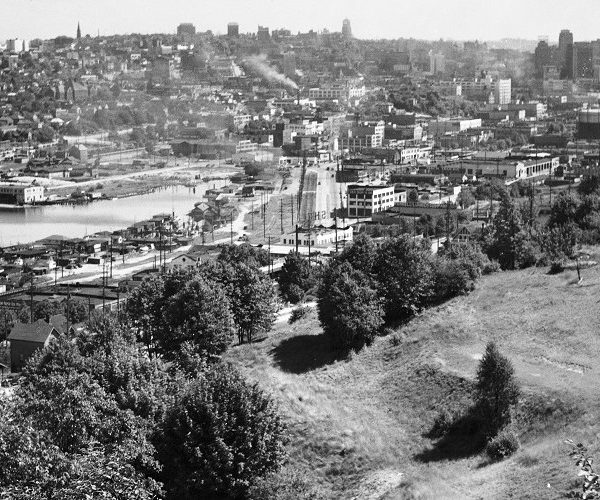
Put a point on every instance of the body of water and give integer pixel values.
(76, 221)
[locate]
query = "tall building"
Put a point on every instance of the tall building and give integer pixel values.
(565, 54)
(78, 32)
(186, 31)
(437, 63)
(17, 45)
(346, 29)
(502, 91)
(233, 29)
(583, 60)
(542, 57)
(263, 34)
(289, 64)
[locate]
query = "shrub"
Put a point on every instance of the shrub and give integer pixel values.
(451, 278)
(298, 313)
(556, 266)
(492, 267)
(470, 256)
(503, 445)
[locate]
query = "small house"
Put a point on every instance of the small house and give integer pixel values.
(26, 338)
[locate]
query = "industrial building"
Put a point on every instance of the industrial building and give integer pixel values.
(20, 194)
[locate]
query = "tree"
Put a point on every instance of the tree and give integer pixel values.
(144, 307)
(404, 276)
(349, 309)
(199, 314)
(296, 278)
(34, 468)
(589, 184)
(564, 210)
(46, 308)
(7, 320)
(252, 297)
(361, 254)
(77, 309)
(220, 436)
(245, 254)
(559, 242)
(497, 390)
(465, 198)
(509, 244)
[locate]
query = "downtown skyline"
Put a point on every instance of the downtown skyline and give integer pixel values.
(383, 19)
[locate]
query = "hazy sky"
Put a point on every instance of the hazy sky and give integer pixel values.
(430, 19)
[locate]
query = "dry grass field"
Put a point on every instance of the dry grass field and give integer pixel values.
(359, 426)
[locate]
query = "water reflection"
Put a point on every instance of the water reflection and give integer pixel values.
(34, 223)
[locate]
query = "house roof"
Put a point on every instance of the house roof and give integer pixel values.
(37, 332)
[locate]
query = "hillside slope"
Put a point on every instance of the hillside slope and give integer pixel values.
(359, 426)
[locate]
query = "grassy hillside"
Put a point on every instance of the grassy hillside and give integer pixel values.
(360, 426)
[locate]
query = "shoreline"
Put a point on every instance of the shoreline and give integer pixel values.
(143, 191)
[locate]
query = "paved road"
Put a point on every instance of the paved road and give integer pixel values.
(321, 195)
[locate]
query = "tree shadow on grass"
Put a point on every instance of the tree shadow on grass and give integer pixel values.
(304, 353)
(464, 438)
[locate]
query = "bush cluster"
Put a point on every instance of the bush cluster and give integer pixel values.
(505, 444)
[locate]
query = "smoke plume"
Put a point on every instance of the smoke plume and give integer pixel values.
(259, 65)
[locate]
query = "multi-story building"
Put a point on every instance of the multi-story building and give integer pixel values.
(20, 194)
(533, 109)
(17, 45)
(437, 63)
(346, 28)
(289, 64)
(363, 201)
(332, 92)
(452, 126)
(338, 92)
(233, 29)
(565, 54)
(366, 135)
(583, 60)
(240, 121)
(262, 34)
(502, 91)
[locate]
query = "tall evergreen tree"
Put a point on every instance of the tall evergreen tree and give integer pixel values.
(497, 390)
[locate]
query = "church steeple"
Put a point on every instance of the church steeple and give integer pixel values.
(78, 32)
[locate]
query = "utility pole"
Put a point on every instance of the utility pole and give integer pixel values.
(281, 214)
(264, 224)
(530, 206)
(231, 227)
(31, 300)
(270, 266)
(252, 215)
(68, 307)
(309, 242)
(336, 230)
(292, 210)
